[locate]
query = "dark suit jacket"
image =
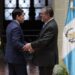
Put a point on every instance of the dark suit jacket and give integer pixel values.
(46, 50)
(14, 43)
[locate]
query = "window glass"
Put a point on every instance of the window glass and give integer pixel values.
(8, 15)
(26, 12)
(39, 3)
(24, 3)
(10, 3)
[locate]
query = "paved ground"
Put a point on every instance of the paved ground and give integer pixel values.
(2, 70)
(32, 70)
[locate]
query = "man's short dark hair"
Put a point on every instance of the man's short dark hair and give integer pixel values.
(16, 12)
(49, 11)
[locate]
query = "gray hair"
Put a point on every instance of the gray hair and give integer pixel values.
(49, 11)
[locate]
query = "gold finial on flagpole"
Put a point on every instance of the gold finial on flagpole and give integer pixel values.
(71, 5)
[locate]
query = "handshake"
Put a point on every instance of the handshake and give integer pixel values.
(28, 47)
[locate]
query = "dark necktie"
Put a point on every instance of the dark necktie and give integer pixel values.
(43, 26)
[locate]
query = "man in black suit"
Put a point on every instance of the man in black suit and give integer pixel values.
(14, 46)
(45, 50)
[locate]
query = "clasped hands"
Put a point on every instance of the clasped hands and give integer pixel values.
(28, 47)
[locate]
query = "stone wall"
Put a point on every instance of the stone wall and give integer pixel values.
(60, 9)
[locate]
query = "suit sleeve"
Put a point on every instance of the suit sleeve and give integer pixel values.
(45, 40)
(16, 38)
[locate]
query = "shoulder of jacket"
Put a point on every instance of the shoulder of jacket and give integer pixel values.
(11, 26)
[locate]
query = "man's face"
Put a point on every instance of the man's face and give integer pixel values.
(20, 18)
(43, 15)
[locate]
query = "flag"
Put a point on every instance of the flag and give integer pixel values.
(69, 39)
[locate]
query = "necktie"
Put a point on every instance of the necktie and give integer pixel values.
(43, 26)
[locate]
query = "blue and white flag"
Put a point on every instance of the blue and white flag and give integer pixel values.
(69, 39)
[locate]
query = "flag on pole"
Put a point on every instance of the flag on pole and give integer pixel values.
(69, 39)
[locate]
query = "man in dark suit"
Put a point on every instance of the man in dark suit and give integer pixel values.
(45, 47)
(15, 41)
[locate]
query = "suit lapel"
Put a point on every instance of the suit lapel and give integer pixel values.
(45, 27)
(19, 28)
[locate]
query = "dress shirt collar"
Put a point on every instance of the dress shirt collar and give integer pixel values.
(49, 20)
(17, 22)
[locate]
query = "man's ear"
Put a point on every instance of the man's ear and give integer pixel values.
(17, 16)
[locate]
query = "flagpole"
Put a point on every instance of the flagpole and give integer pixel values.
(71, 5)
